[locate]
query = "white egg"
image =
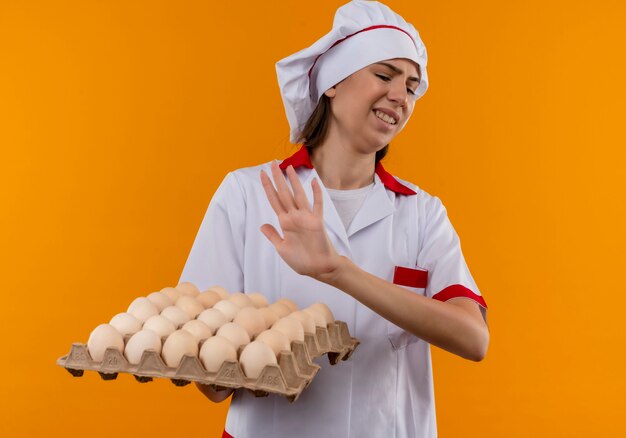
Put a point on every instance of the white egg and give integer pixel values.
(254, 357)
(172, 293)
(160, 325)
(160, 300)
(324, 310)
(125, 323)
(199, 329)
(319, 319)
(178, 344)
(141, 341)
(234, 333)
(280, 309)
(188, 288)
(190, 305)
(269, 316)
(276, 340)
(307, 321)
(228, 308)
(102, 337)
(241, 300)
(175, 314)
(289, 303)
(142, 309)
(215, 351)
(290, 327)
(251, 319)
(213, 318)
(208, 298)
(223, 293)
(258, 299)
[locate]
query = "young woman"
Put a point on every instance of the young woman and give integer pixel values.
(330, 224)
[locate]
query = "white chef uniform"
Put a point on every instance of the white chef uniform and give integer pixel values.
(401, 234)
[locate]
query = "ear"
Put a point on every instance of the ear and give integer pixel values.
(330, 92)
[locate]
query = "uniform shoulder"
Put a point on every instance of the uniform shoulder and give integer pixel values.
(248, 177)
(430, 201)
(250, 172)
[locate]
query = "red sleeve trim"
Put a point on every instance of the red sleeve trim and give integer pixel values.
(455, 291)
(226, 435)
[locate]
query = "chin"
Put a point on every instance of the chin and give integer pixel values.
(381, 142)
(375, 142)
(374, 149)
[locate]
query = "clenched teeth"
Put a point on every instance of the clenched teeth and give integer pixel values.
(381, 115)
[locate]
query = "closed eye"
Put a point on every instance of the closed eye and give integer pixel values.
(387, 79)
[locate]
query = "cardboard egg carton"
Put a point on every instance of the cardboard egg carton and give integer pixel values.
(293, 373)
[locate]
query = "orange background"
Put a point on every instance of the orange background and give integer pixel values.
(118, 120)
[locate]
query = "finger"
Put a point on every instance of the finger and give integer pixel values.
(318, 203)
(271, 234)
(299, 195)
(284, 192)
(271, 194)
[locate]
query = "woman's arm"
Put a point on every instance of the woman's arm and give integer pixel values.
(456, 325)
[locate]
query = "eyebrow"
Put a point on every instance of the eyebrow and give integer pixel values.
(397, 70)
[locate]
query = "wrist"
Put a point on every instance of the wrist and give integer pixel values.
(333, 277)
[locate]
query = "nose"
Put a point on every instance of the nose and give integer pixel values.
(398, 93)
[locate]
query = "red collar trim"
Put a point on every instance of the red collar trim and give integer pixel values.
(299, 159)
(302, 158)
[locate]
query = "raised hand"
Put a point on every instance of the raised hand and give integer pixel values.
(305, 246)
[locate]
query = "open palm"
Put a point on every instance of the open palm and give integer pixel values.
(304, 246)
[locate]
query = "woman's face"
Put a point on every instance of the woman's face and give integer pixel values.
(372, 105)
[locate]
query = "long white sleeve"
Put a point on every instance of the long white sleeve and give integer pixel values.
(216, 257)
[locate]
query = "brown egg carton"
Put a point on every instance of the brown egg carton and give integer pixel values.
(290, 377)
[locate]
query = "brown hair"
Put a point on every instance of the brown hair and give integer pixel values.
(316, 128)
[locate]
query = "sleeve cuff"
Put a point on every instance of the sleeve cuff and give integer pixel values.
(456, 291)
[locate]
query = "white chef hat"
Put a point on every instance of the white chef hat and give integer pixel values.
(364, 32)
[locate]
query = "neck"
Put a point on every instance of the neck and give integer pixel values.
(343, 168)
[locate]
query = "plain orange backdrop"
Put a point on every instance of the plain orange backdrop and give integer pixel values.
(118, 120)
